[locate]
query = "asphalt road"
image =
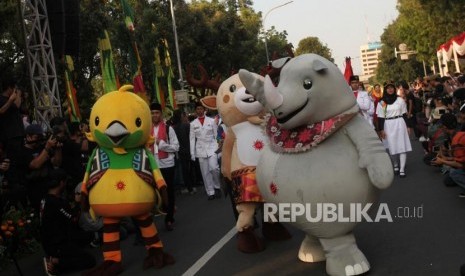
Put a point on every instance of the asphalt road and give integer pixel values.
(204, 243)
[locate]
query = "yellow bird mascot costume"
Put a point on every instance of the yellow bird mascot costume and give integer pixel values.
(122, 176)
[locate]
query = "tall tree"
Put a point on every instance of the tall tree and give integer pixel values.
(392, 68)
(426, 24)
(314, 45)
(12, 59)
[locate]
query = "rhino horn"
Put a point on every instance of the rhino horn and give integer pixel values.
(273, 98)
(252, 83)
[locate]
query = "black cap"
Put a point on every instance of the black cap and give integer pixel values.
(354, 78)
(389, 85)
(34, 129)
(155, 106)
(56, 121)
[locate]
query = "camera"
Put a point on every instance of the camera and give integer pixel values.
(56, 130)
(442, 111)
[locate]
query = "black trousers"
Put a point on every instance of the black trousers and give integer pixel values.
(186, 169)
(168, 175)
(71, 257)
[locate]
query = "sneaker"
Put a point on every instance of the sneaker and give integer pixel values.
(217, 193)
(95, 243)
(462, 195)
(422, 139)
(169, 226)
(193, 191)
(49, 267)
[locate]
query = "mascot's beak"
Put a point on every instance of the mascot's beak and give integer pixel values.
(117, 132)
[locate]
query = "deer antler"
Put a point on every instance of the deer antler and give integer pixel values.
(195, 82)
(289, 50)
(214, 84)
(273, 72)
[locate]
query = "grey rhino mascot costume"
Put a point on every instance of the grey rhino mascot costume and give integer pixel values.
(320, 151)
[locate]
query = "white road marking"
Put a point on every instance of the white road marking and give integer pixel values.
(210, 253)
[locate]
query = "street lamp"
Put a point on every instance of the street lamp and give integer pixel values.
(263, 26)
(404, 53)
(178, 56)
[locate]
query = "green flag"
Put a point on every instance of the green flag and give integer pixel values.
(110, 81)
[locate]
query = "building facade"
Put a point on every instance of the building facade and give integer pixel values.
(369, 57)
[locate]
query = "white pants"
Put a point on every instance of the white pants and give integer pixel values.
(210, 173)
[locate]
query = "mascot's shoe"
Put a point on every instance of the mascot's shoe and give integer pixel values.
(311, 250)
(157, 258)
(108, 268)
(275, 231)
(248, 242)
(343, 257)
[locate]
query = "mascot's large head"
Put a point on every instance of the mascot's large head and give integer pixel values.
(235, 104)
(311, 89)
(120, 120)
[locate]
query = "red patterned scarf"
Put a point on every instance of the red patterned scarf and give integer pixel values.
(303, 138)
(161, 135)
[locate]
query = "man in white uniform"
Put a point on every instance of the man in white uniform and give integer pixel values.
(203, 145)
(365, 103)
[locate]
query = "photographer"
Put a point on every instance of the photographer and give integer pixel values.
(455, 157)
(58, 228)
(35, 160)
(74, 147)
(11, 123)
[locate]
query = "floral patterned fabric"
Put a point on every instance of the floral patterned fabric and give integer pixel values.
(305, 137)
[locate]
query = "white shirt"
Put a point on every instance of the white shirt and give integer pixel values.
(202, 138)
(397, 108)
(171, 147)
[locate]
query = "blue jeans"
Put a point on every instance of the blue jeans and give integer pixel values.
(457, 176)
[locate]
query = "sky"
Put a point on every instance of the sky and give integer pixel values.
(343, 25)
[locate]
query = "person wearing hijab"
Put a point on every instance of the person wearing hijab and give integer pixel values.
(392, 116)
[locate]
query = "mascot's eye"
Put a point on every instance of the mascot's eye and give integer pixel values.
(97, 121)
(307, 84)
(138, 122)
(232, 88)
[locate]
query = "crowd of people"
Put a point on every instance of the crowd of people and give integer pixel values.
(43, 170)
(430, 110)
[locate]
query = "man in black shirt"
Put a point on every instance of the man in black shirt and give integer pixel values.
(11, 124)
(34, 161)
(57, 221)
(181, 127)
